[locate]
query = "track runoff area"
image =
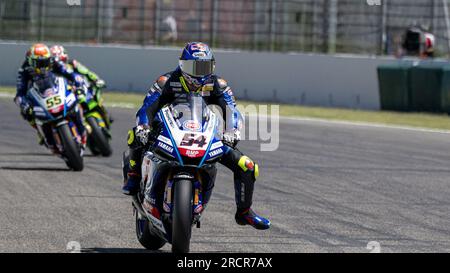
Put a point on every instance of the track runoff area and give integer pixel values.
(327, 187)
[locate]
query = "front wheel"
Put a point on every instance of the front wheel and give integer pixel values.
(71, 149)
(182, 216)
(98, 141)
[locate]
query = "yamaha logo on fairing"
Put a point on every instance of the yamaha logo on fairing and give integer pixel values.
(215, 152)
(165, 147)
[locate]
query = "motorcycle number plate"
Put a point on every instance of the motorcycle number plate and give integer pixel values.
(53, 102)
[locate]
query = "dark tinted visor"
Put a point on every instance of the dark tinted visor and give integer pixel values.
(197, 68)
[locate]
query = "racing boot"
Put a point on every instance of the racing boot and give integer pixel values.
(41, 140)
(249, 217)
(83, 143)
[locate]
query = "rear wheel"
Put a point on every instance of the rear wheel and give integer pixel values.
(145, 237)
(71, 148)
(98, 141)
(182, 216)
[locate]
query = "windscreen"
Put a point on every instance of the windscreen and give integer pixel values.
(44, 84)
(191, 115)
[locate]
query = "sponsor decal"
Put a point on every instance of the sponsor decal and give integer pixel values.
(216, 145)
(192, 153)
(165, 147)
(192, 125)
(216, 152)
(208, 87)
(199, 54)
(38, 109)
(198, 209)
(156, 222)
(168, 117)
(211, 123)
(184, 176)
(70, 99)
(175, 84)
(166, 207)
(56, 110)
(165, 140)
(198, 46)
(49, 92)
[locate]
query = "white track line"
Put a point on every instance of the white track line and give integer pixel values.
(305, 119)
(6, 95)
(359, 124)
(367, 124)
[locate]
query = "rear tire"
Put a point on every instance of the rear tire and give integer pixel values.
(71, 149)
(99, 142)
(145, 237)
(182, 216)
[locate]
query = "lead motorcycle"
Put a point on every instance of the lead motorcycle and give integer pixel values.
(183, 154)
(54, 105)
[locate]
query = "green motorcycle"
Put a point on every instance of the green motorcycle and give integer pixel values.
(97, 123)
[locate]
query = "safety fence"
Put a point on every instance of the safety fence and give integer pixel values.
(372, 27)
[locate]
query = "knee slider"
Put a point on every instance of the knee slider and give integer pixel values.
(246, 164)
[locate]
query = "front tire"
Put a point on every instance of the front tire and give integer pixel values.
(182, 216)
(98, 141)
(145, 237)
(71, 149)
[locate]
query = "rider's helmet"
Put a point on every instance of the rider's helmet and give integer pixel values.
(197, 63)
(60, 53)
(40, 58)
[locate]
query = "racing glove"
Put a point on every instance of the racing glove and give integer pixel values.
(25, 108)
(231, 138)
(100, 83)
(142, 135)
(80, 93)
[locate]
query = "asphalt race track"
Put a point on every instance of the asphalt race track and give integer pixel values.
(328, 188)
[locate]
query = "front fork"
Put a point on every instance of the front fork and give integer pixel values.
(52, 139)
(149, 167)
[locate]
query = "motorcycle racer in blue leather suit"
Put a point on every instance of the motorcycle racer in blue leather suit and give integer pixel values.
(38, 65)
(195, 74)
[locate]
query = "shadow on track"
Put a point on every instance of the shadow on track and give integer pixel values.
(44, 169)
(119, 250)
(26, 154)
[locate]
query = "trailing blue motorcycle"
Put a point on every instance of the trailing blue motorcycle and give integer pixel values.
(55, 108)
(182, 155)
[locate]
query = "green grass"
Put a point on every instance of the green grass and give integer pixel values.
(424, 120)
